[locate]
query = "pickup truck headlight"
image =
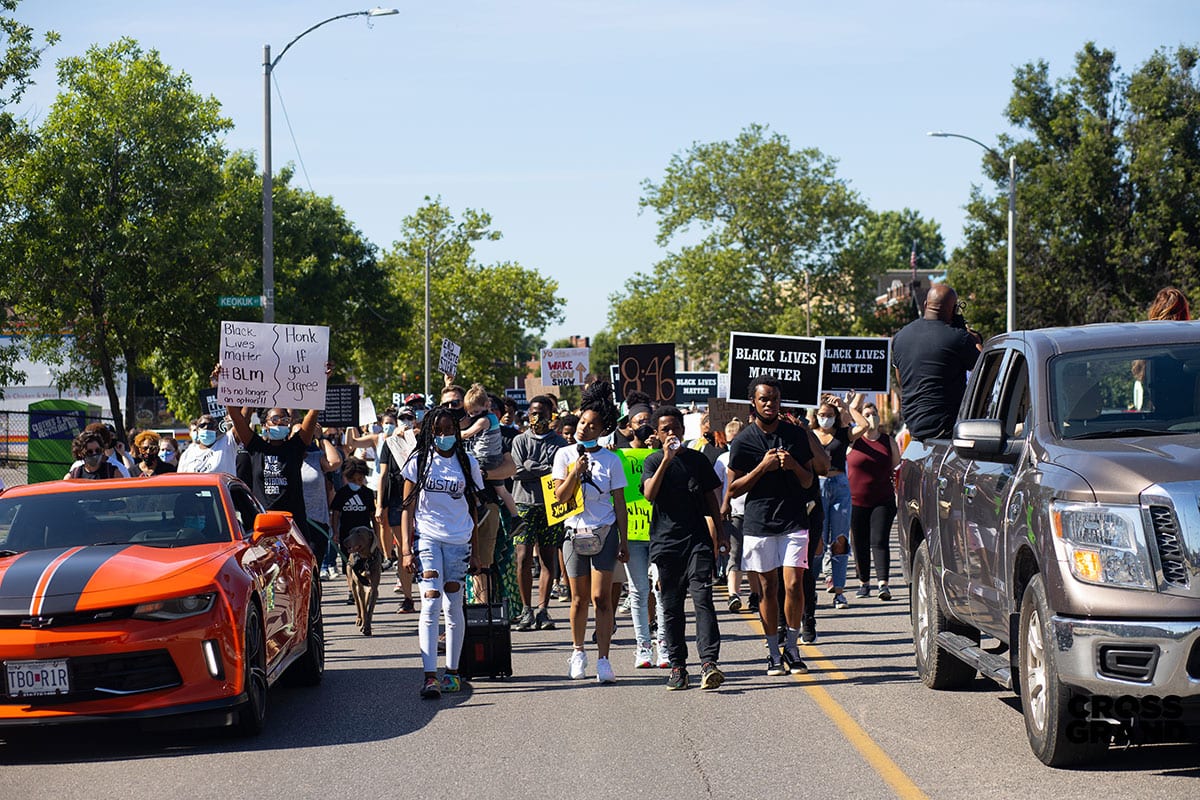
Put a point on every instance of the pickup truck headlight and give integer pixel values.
(1104, 544)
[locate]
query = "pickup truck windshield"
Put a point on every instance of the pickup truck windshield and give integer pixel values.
(1148, 391)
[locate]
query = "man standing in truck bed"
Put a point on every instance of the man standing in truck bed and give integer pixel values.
(933, 355)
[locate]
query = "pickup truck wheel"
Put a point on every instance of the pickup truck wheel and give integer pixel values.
(937, 668)
(1045, 699)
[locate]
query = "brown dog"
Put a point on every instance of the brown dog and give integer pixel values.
(364, 565)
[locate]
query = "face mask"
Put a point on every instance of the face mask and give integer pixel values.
(168, 456)
(444, 443)
(420, 414)
(277, 433)
(825, 422)
(539, 425)
(388, 429)
(458, 413)
(588, 443)
(376, 428)
(194, 522)
(150, 458)
(206, 437)
(354, 487)
(94, 461)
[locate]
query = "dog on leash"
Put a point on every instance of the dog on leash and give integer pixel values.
(364, 566)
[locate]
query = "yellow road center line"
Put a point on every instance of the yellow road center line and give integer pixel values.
(871, 752)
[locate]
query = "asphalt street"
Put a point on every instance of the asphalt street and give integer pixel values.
(859, 725)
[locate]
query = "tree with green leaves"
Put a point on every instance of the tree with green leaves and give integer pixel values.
(490, 310)
(767, 216)
(106, 213)
(1108, 194)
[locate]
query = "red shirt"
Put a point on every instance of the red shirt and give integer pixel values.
(869, 467)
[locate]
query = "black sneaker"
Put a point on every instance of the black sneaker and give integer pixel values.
(808, 630)
(735, 603)
(752, 603)
(543, 621)
(864, 591)
(525, 622)
(711, 676)
(775, 667)
(678, 679)
(431, 690)
(885, 593)
(793, 663)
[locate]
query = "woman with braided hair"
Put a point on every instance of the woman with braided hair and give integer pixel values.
(596, 537)
(438, 537)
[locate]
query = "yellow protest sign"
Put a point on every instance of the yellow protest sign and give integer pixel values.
(556, 512)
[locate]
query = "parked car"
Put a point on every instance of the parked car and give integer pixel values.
(142, 598)
(1062, 521)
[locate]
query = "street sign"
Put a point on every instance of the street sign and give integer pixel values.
(233, 301)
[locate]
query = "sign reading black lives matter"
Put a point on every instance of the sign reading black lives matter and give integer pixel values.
(856, 365)
(695, 387)
(794, 360)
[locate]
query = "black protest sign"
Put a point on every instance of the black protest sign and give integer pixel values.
(209, 404)
(648, 368)
(341, 406)
(794, 360)
(694, 387)
(856, 365)
(518, 397)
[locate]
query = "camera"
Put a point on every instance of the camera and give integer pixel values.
(958, 320)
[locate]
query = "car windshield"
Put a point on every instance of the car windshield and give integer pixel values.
(1134, 391)
(152, 516)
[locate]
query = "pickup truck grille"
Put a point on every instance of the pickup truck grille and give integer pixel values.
(1170, 550)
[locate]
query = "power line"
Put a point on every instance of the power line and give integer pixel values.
(287, 120)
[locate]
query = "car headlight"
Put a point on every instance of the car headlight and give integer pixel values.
(176, 607)
(1104, 544)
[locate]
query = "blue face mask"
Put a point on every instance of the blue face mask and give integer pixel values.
(194, 522)
(206, 437)
(444, 443)
(588, 443)
(354, 487)
(388, 429)
(277, 433)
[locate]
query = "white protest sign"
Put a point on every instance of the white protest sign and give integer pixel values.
(449, 360)
(272, 365)
(565, 366)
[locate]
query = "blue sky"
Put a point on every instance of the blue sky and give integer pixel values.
(549, 114)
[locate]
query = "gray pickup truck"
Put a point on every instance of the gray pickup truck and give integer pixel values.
(1053, 544)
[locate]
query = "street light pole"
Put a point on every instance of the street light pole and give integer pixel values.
(1011, 289)
(268, 246)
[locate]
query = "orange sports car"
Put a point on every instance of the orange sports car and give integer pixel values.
(142, 598)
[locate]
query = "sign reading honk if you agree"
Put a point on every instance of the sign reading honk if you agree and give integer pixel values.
(272, 365)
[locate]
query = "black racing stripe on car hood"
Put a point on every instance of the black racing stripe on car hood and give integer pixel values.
(21, 578)
(72, 575)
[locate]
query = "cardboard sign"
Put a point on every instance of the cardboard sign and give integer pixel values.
(565, 366)
(648, 368)
(448, 363)
(210, 406)
(341, 406)
(857, 365)
(556, 512)
(721, 412)
(272, 365)
(794, 360)
(637, 507)
(695, 387)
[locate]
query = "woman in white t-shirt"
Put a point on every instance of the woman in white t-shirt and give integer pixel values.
(602, 477)
(732, 512)
(211, 450)
(438, 531)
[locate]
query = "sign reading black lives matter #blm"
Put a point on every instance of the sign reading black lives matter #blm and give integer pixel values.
(794, 360)
(856, 365)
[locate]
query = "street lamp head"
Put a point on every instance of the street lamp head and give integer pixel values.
(937, 133)
(382, 12)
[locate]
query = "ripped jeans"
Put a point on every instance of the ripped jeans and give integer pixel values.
(448, 564)
(835, 497)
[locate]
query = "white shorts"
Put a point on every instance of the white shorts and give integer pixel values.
(768, 553)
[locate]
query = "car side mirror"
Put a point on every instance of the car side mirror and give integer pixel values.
(271, 523)
(984, 440)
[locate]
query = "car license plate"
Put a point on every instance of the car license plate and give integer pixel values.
(27, 678)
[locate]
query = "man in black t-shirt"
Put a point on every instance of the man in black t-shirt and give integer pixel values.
(681, 487)
(772, 462)
(932, 356)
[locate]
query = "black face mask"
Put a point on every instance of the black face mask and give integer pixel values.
(458, 413)
(643, 432)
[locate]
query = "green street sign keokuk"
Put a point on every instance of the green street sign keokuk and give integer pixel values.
(239, 302)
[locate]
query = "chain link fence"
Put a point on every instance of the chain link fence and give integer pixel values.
(50, 458)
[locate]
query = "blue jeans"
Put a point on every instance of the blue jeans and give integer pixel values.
(835, 498)
(638, 570)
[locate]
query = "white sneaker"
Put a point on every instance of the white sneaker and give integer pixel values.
(398, 588)
(644, 657)
(604, 671)
(577, 666)
(664, 658)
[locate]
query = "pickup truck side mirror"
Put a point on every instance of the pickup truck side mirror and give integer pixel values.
(984, 440)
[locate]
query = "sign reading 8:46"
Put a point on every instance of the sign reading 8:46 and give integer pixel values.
(648, 368)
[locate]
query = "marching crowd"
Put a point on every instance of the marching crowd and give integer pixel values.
(451, 493)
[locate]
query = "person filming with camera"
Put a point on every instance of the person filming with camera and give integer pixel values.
(933, 355)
